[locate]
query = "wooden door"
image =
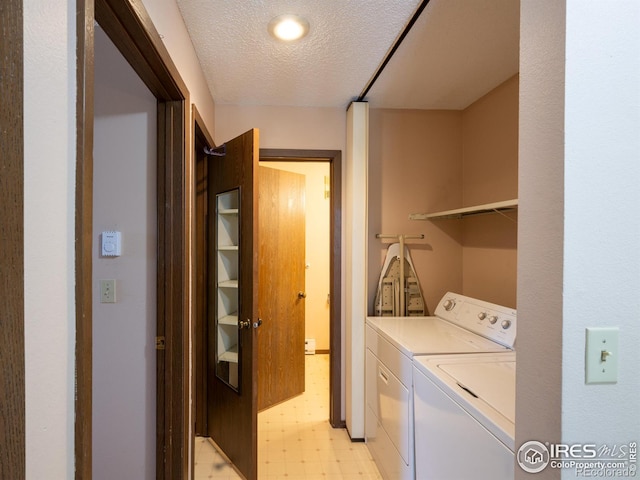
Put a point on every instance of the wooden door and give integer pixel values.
(232, 294)
(282, 286)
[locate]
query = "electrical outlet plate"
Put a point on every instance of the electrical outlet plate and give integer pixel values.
(601, 355)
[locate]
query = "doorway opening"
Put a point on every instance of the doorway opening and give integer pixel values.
(124, 322)
(316, 195)
(330, 299)
(334, 187)
(129, 27)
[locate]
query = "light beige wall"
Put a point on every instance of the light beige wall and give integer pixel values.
(317, 215)
(428, 161)
(490, 146)
(539, 377)
(49, 235)
(490, 174)
(124, 199)
(284, 127)
(415, 166)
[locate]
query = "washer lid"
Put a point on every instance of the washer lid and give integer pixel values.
(482, 384)
(492, 381)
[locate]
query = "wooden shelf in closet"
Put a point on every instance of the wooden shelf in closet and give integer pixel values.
(230, 355)
(229, 320)
(228, 211)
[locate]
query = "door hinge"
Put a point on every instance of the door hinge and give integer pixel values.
(159, 343)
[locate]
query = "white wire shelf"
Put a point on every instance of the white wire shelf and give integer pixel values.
(496, 207)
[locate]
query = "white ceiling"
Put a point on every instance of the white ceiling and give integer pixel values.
(456, 52)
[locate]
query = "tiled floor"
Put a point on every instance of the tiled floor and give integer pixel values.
(295, 440)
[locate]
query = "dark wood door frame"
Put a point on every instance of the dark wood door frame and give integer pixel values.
(12, 376)
(129, 27)
(334, 157)
(201, 138)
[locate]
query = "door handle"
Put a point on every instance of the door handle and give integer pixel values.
(244, 324)
(302, 295)
(258, 323)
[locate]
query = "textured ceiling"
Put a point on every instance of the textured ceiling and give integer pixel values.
(457, 51)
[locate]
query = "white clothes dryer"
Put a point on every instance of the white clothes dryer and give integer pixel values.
(464, 416)
(461, 325)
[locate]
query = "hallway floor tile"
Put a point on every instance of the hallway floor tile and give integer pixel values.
(296, 441)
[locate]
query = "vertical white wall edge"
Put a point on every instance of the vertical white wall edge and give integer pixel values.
(356, 176)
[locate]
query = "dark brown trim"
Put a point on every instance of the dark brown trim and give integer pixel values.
(201, 139)
(163, 395)
(334, 157)
(172, 446)
(129, 27)
(200, 129)
(12, 374)
(83, 240)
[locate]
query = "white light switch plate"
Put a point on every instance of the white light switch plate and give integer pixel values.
(107, 291)
(601, 357)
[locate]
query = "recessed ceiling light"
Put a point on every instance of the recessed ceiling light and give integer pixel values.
(288, 27)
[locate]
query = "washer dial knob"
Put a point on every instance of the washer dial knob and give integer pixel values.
(449, 304)
(493, 319)
(482, 315)
(506, 324)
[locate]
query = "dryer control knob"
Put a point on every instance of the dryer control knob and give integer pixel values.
(449, 304)
(493, 319)
(482, 315)
(506, 324)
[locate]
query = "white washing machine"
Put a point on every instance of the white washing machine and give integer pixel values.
(461, 325)
(465, 416)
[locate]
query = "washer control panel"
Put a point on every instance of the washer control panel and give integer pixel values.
(496, 322)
